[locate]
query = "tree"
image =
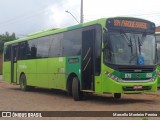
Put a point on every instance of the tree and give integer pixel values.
(6, 38)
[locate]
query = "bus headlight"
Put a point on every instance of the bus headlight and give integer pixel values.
(153, 78)
(113, 76)
(158, 72)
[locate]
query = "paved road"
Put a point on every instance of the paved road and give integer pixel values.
(13, 99)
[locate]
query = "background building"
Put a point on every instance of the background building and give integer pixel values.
(158, 29)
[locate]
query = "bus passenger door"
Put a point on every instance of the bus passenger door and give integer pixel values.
(14, 55)
(87, 69)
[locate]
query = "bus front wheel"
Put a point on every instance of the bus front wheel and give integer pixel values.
(117, 95)
(76, 93)
(23, 83)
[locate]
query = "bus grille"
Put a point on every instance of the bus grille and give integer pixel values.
(137, 80)
(136, 70)
(132, 88)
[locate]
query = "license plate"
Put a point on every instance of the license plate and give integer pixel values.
(137, 87)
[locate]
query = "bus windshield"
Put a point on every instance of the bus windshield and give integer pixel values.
(129, 49)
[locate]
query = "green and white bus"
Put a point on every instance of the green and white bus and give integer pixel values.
(114, 55)
(158, 55)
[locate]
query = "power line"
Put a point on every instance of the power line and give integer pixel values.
(151, 15)
(145, 14)
(23, 16)
(140, 14)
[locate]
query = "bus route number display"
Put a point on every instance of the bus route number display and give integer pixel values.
(130, 24)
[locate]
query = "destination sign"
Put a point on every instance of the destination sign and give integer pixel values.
(130, 24)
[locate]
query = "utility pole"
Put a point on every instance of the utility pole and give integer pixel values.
(81, 17)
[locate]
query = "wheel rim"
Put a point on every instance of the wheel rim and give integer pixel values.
(22, 82)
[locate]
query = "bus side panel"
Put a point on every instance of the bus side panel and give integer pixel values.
(98, 79)
(73, 65)
(52, 69)
(42, 75)
(98, 84)
(29, 68)
(61, 83)
(7, 71)
(56, 73)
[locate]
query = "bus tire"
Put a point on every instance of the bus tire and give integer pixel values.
(117, 95)
(23, 83)
(76, 93)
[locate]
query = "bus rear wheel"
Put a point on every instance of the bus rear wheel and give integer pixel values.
(23, 83)
(76, 93)
(117, 95)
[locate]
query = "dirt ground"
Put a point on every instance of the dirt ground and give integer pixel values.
(13, 99)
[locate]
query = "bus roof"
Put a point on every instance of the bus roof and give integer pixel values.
(47, 32)
(57, 30)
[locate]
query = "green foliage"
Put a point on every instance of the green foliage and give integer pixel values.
(6, 38)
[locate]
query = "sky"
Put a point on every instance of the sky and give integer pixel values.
(28, 16)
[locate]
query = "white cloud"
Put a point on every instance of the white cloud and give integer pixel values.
(55, 15)
(59, 18)
(109, 8)
(145, 9)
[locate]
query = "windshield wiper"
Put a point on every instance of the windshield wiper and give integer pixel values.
(105, 46)
(132, 58)
(143, 38)
(139, 45)
(129, 41)
(131, 45)
(126, 38)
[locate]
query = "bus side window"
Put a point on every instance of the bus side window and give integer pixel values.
(22, 54)
(33, 52)
(7, 53)
(98, 49)
(72, 42)
(42, 49)
(32, 49)
(56, 46)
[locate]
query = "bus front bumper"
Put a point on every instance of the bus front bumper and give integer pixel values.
(111, 86)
